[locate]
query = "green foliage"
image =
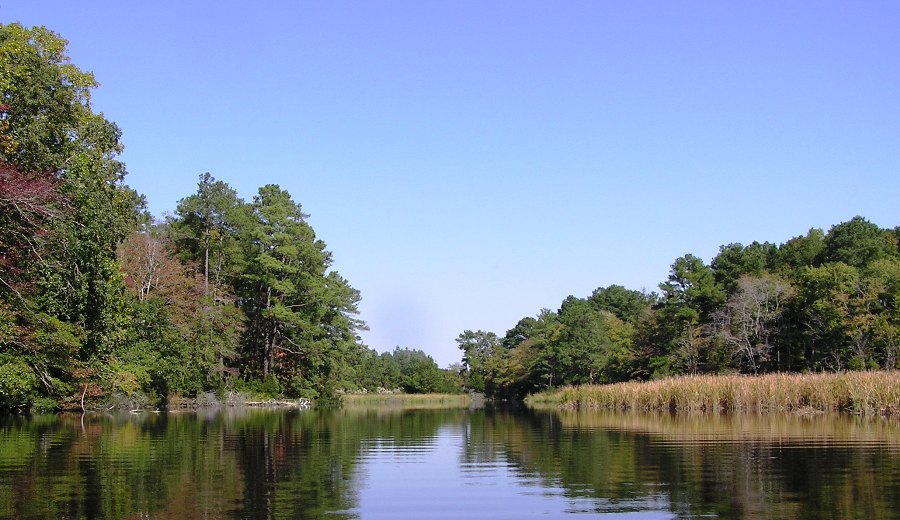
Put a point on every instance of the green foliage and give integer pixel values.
(206, 232)
(625, 304)
(691, 289)
(407, 370)
(690, 297)
(48, 98)
(378, 371)
(72, 288)
(478, 348)
(300, 315)
(266, 388)
(419, 374)
(125, 378)
(802, 251)
(223, 289)
(18, 384)
(857, 243)
(823, 301)
(735, 260)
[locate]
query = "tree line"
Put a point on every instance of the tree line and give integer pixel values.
(818, 302)
(98, 298)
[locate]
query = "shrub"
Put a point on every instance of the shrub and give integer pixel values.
(18, 385)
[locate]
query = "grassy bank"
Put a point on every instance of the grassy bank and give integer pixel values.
(865, 393)
(408, 400)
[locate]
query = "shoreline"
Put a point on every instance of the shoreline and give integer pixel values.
(419, 401)
(139, 403)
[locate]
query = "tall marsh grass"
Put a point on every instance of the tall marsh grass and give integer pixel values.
(419, 401)
(863, 393)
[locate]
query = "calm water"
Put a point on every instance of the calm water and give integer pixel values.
(395, 464)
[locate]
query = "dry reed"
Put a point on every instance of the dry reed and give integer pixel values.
(408, 400)
(863, 393)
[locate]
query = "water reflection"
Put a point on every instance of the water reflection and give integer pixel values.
(732, 466)
(431, 464)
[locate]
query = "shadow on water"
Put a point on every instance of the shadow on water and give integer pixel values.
(396, 463)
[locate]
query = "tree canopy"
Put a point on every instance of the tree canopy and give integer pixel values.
(97, 298)
(820, 301)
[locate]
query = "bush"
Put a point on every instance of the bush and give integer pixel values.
(18, 385)
(126, 378)
(267, 388)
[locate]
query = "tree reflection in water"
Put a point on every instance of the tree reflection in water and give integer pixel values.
(358, 463)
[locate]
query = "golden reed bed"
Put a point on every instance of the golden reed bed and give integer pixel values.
(864, 393)
(408, 400)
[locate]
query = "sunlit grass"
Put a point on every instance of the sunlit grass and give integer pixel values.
(418, 401)
(864, 393)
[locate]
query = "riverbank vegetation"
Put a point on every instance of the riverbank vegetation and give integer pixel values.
(820, 302)
(99, 299)
(862, 393)
(402, 400)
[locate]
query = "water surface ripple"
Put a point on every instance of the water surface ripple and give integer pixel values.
(442, 464)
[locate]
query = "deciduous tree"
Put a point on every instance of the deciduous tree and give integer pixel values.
(753, 312)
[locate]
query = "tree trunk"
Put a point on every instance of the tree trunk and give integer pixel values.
(271, 353)
(206, 267)
(266, 348)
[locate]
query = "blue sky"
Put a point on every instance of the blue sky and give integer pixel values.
(469, 163)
